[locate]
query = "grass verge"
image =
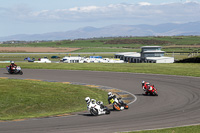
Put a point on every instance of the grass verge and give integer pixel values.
(27, 99)
(183, 69)
(187, 129)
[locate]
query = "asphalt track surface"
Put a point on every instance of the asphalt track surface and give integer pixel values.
(178, 103)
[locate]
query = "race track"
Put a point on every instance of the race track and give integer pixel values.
(178, 103)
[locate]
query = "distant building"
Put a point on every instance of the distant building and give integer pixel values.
(148, 54)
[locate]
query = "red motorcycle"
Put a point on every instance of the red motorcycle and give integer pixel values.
(152, 91)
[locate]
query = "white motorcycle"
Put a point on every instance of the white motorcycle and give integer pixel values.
(97, 108)
(14, 70)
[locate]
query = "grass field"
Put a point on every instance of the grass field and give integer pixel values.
(106, 50)
(27, 99)
(169, 44)
(184, 69)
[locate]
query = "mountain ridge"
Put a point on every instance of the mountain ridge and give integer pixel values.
(115, 30)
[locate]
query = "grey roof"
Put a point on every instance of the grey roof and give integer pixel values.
(158, 58)
(133, 55)
(154, 51)
(151, 47)
(125, 53)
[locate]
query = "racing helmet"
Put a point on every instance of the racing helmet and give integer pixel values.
(93, 101)
(12, 62)
(87, 99)
(109, 94)
(143, 82)
(99, 102)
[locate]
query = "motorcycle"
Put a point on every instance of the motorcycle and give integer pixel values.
(152, 91)
(14, 70)
(118, 104)
(96, 108)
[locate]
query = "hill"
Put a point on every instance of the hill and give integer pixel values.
(167, 29)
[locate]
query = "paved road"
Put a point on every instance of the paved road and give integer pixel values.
(178, 103)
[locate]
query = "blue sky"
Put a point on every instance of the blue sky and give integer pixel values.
(42, 16)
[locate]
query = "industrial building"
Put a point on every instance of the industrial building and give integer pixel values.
(148, 54)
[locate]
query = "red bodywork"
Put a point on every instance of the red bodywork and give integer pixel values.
(152, 90)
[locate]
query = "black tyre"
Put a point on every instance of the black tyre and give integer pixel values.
(126, 106)
(94, 111)
(116, 107)
(21, 73)
(155, 94)
(107, 110)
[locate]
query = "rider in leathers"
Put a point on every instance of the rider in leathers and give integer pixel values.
(12, 65)
(145, 86)
(112, 96)
(90, 101)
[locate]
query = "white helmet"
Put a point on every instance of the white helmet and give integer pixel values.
(12, 62)
(109, 94)
(143, 82)
(93, 101)
(87, 99)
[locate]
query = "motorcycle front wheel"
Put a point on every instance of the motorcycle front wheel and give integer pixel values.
(20, 72)
(155, 94)
(94, 111)
(116, 107)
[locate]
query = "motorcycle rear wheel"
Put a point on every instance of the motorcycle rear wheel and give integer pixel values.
(126, 106)
(107, 111)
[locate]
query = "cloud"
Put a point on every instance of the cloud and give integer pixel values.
(144, 3)
(142, 12)
(84, 9)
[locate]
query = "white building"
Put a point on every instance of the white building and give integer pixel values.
(43, 60)
(148, 54)
(71, 59)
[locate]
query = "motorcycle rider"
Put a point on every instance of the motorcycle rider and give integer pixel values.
(93, 101)
(12, 65)
(112, 96)
(143, 82)
(146, 86)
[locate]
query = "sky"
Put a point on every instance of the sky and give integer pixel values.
(43, 16)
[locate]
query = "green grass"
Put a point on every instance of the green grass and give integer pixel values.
(27, 99)
(187, 129)
(106, 50)
(184, 69)
(103, 45)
